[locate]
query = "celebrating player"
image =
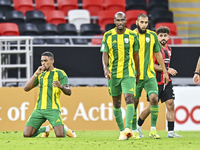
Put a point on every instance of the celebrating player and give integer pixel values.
(51, 82)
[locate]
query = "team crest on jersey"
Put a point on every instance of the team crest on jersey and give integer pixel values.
(147, 39)
(126, 40)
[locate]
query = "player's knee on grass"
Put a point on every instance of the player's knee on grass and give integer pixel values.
(29, 131)
(26, 134)
(59, 131)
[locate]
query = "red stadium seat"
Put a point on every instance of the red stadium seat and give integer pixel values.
(118, 5)
(45, 6)
(66, 5)
(170, 25)
(23, 5)
(94, 7)
(55, 17)
(9, 29)
(96, 41)
(174, 41)
(132, 15)
(106, 17)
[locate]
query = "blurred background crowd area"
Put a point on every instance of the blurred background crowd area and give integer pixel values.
(95, 17)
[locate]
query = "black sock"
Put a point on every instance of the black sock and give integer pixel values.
(140, 121)
(170, 126)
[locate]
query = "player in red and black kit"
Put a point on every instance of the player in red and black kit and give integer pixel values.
(166, 93)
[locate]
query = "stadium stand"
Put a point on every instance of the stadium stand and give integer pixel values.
(67, 29)
(93, 6)
(9, 29)
(170, 25)
(160, 16)
(90, 29)
(36, 17)
(14, 16)
(38, 41)
(45, 5)
(133, 26)
(23, 5)
(106, 17)
(158, 4)
(136, 4)
(1, 17)
(80, 1)
(35, 13)
(55, 17)
(5, 5)
(31, 29)
(78, 17)
(96, 41)
(132, 15)
(109, 26)
(80, 41)
(117, 5)
(66, 5)
(28, 29)
(48, 29)
(55, 41)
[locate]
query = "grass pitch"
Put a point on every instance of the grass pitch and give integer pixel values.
(97, 140)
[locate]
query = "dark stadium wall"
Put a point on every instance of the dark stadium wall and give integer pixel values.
(75, 61)
(86, 61)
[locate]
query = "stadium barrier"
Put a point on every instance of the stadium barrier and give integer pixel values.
(88, 108)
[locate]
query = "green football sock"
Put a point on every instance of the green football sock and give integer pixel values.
(118, 117)
(134, 124)
(40, 130)
(130, 110)
(154, 114)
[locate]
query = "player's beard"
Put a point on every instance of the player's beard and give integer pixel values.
(140, 30)
(163, 43)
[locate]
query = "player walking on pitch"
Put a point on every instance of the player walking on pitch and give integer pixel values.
(166, 93)
(121, 67)
(149, 44)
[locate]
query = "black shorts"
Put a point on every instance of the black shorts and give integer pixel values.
(165, 93)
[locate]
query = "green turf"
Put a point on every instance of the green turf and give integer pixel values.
(95, 140)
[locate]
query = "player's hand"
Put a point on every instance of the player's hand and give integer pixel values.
(107, 73)
(56, 84)
(172, 71)
(39, 70)
(196, 79)
(165, 78)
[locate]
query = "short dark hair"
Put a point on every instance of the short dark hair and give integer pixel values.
(49, 54)
(142, 15)
(163, 29)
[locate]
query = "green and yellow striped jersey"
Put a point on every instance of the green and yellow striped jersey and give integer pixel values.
(120, 48)
(149, 44)
(49, 96)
